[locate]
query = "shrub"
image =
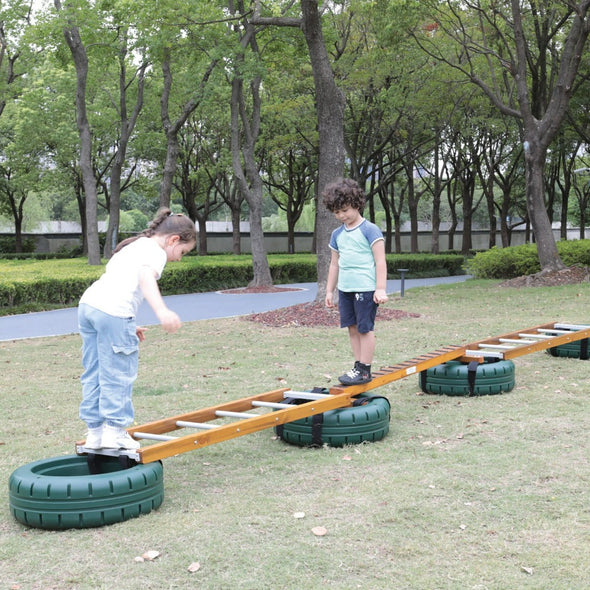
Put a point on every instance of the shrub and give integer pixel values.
(62, 282)
(516, 261)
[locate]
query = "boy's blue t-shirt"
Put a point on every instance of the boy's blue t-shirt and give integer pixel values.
(356, 263)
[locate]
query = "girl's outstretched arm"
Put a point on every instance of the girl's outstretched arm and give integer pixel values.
(149, 287)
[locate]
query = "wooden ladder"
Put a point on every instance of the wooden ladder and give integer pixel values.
(208, 426)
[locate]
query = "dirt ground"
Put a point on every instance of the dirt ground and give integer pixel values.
(316, 314)
(571, 275)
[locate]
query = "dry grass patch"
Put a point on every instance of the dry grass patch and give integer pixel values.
(486, 492)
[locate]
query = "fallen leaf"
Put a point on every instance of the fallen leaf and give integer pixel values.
(319, 531)
(347, 458)
(299, 515)
(195, 566)
(527, 570)
(151, 555)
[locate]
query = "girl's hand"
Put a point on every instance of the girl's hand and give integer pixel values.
(140, 331)
(169, 320)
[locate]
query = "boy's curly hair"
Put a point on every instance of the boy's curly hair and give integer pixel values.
(342, 193)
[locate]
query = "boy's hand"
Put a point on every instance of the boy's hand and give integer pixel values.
(380, 296)
(329, 299)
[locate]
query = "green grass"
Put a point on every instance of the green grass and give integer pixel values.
(471, 493)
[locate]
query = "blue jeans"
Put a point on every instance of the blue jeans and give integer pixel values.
(110, 353)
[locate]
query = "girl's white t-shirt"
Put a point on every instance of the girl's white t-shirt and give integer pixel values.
(117, 291)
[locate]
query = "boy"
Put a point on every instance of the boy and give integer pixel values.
(359, 270)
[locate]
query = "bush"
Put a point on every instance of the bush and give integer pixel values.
(516, 261)
(8, 244)
(425, 265)
(62, 282)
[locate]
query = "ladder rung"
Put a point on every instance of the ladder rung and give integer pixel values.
(183, 424)
(305, 395)
(498, 346)
(226, 414)
(575, 327)
(516, 341)
(150, 436)
(484, 353)
(554, 331)
(538, 336)
(275, 405)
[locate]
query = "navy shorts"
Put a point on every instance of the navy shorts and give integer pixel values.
(357, 309)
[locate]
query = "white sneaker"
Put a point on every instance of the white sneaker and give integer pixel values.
(114, 437)
(94, 438)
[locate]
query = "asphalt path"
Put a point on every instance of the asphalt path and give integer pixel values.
(191, 307)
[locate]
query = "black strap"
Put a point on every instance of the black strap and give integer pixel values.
(423, 381)
(471, 375)
(584, 349)
(317, 424)
(317, 419)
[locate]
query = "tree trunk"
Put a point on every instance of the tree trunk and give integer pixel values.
(534, 157)
(330, 113)
(126, 126)
(436, 192)
(245, 129)
(72, 37)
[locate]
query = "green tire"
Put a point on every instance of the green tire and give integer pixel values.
(60, 493)
(452, 378)
(572, 350)
(343, 426)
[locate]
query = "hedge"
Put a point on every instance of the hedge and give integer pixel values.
(62, 282)
(516, 261)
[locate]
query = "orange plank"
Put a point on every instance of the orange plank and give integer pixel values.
(208, 414)
(198, 440)
(405, 369)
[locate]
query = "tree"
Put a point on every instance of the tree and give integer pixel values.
(245, 130)
(74, 41)
(525, 57)
(330, 116)
(126, 124)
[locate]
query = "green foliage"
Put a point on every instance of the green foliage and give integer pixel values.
(425, 265)
(133, 221)
(8, 245)
(47, 283)
(516, 261)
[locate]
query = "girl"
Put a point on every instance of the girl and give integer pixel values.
(110, 336)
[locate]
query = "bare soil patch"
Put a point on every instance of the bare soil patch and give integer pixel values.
(316, 314)
(266, 289)
(571, 275)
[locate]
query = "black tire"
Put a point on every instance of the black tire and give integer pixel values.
(367, 421)
(573, 350)
(453, 378)
(60, 493)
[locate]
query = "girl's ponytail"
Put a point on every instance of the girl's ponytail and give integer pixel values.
(165, 223)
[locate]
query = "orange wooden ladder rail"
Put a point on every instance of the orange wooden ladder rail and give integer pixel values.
(202, 432)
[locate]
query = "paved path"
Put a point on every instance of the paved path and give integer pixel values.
(190, 308)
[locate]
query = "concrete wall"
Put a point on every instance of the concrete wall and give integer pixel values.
(219, 242)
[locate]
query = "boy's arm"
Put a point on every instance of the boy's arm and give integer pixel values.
(332, 279)
(378, 248)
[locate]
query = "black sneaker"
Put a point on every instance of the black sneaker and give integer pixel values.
(356, 376)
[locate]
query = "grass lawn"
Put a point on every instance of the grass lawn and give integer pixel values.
(472, 493)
